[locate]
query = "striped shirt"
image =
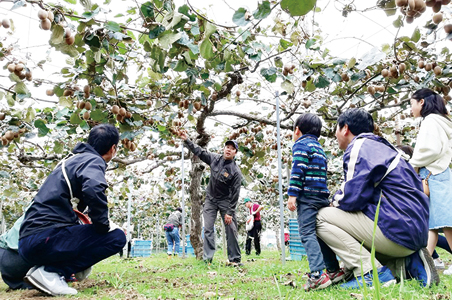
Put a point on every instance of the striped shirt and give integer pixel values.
(309, 168)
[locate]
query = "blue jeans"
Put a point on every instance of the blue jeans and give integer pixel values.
(307, 209)
(173, 240)
(69, 250)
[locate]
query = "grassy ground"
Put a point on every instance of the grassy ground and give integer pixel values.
(262, 277)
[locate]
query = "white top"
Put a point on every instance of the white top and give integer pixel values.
(434, 144)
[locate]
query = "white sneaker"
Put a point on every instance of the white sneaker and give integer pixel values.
(448, 271)
(439, 264)
(82, 275)
(49, 283)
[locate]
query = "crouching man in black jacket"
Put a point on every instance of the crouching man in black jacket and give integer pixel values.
(51, 237)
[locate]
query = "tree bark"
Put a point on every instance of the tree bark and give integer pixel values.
(196, 206)
(278, 241)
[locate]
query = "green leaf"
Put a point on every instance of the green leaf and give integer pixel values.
(206, 49)
(156, 31)
(168, 38)
(42, 128)
(30, 115)
(322, 82)
(57, 35)
(21, 88)
(185, 10)
(65, 101)
(147, 9)
(416, 36)
(210, 28)
(285, 44)
(263, 10)
(351, 63)
(297, 7)
(71, 1)
(269, 74)
(75, 119)
(58, 147)
(239, 17)
(98, 115)
(90, 14)
(113, 26)
(288, 86)
(310, 42)
(180, 66)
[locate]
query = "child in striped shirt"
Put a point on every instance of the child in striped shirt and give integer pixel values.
(308, 192)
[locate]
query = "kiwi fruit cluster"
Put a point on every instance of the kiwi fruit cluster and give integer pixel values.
(5, 23)
(393, 71)
(128, 144)
(10, 135)
(429, 66)
(372, 89)
(69, 38)
(20, 70)
(121, 113)
(288, 70)
(415, 8)
(46, 18)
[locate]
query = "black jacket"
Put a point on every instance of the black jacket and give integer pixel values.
(225, 177)
(51, 207)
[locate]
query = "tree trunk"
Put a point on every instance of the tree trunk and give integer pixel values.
(196, 206)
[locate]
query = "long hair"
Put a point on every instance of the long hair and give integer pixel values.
(433, 103)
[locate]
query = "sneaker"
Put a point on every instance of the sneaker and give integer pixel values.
(336, 276)
(323, 281)
(384, 276)
(82, 275)
(439, 264)
(448, 271)
(49, 283)
(421, 267)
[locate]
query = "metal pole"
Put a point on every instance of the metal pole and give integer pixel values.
(281, 203)
(183, 202)
(129, 211)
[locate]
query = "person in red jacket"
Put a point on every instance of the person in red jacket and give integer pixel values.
(255, 232)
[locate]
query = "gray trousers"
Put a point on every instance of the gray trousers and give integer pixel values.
(210, 212)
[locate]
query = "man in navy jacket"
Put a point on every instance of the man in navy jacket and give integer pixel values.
(375, 175)
(51, 237)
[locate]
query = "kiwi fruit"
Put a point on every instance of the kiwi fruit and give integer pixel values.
(371, 90)
(86, 89)
(409, 19)
(122, 111)
(437, 18)
(437, 7)
(70, 40)
(2, 116)
(46, 24)
(445, 2)
(42, 14)
(19, 67)
(428, 67)
(132, 146)
(128, 115)
(384, 72)
(50, 92)
(238, 93)
(214, 96)
(4, 141)
(88, 105)
(9, 135)
(448, 28)
(50, 16)
(86, 115)
(149, 103)
(11, 68)
(197, 105)
(430, 3)
(186, 104)
(67, 32)
(402, 67)
(401, 3)
(68, 93)
(115, 109)
(421, 64)
(6, 23)
(437, 70)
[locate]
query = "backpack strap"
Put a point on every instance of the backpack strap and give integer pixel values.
(74, 201)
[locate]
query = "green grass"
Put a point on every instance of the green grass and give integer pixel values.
(262, 277)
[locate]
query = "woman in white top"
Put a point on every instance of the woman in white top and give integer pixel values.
(432, 155)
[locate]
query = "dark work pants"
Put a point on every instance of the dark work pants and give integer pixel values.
(72, 249)
(254, 234)
(13, 269)
(210, 212)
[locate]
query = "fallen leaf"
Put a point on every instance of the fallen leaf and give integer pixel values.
(356, 296)
(209, 294)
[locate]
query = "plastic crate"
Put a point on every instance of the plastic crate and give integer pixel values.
(188, 247)
(141, 249)
(296, 249)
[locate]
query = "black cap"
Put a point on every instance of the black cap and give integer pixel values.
(233, 143)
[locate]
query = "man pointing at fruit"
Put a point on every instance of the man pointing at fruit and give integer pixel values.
(222, 195)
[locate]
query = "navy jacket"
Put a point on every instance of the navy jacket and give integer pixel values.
(404, 209)
(225, 177)
(51, 207)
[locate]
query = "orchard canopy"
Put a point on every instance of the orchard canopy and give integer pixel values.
(152, 68)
